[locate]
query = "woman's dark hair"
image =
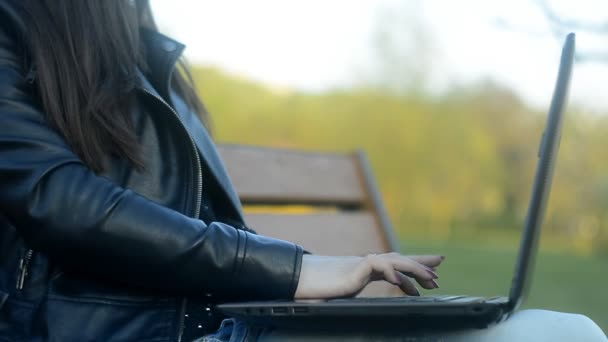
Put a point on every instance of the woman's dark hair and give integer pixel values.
(85, 54)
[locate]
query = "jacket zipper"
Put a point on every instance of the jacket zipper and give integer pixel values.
(24, 265)
(199, 197)
(199, 193)
(3, 299)
(182, 316)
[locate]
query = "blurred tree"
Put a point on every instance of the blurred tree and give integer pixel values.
(589, 221)
(562, 22)
(463, 160)
(404, 54)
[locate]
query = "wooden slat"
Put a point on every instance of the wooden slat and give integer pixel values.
(329, 234)
(323, 233)
(287, 176)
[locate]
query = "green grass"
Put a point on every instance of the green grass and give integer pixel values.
(561, 282)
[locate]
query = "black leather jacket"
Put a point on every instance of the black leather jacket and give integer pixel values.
(117, 256)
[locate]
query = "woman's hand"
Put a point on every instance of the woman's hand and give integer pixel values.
(324, 277)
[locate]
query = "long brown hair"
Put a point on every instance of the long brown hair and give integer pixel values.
(84, 54)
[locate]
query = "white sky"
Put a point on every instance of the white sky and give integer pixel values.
(320, 44)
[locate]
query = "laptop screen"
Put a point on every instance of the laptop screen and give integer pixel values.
(547, 155)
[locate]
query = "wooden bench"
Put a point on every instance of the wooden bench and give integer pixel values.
(327, 202)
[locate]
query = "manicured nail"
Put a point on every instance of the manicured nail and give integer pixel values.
(435, 283)
(397, 280)
(433, 274)
(417, 293)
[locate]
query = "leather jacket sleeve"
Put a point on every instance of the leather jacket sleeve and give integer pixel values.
(63, 209)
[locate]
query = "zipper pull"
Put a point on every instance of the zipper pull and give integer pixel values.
(21, 276)
(3, 299)
(23, 268)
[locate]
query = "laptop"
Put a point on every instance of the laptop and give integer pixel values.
(436, 312)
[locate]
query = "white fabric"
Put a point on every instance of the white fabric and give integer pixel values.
(523, 326)
(535, 325)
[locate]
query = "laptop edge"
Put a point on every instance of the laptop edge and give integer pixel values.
(524, 267)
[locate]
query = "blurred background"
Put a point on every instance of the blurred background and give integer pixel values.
(448, 99)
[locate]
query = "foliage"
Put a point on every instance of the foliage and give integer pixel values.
(446, 164)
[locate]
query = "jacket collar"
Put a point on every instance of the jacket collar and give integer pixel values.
(162, 54)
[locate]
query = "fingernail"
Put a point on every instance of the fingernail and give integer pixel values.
(433, 274)
(397, 280)
(442, 257)
(435, 283)
(417, 292)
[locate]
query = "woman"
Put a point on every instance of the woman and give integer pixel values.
(117, 219)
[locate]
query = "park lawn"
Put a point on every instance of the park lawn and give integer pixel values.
(561, 282)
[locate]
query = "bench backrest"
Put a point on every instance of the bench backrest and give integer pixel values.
(327, 202)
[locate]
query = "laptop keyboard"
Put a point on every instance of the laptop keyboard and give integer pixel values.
(404, 299)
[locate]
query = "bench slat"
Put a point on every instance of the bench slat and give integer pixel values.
(268, 175)
(273, 183)
(329, 234)
(322, 233)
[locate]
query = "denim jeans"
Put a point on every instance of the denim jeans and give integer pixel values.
(233, 330)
